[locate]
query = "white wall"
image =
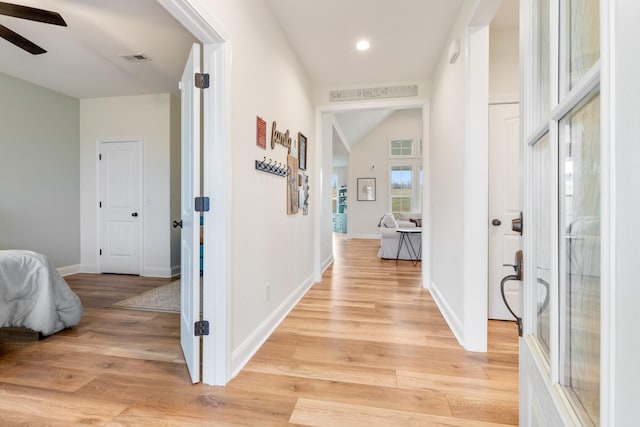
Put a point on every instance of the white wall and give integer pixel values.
(39, 171)
(373, 150)
(267, 245)
(148, 118)
(447, 169)
(504, 65)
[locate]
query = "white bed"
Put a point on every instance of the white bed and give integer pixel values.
(34, 295)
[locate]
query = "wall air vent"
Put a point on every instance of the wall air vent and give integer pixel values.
(373, 93)
(136, 57)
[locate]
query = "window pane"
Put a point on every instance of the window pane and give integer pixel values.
(580, 259)
(541, 216)
(401, 188)
(582, 21)
(542, 89)
(401, 147)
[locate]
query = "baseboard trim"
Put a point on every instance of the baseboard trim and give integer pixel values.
(175, 270)
(157, 272)
(327, 263)
(89, 269)
(363, 236)
(69, 270)
(449, 315)
(252, 344)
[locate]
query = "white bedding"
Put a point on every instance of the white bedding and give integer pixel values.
(34, 295)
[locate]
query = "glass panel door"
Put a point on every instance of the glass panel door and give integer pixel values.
(582, 39)
(560, 352)
(543, 171)
(580, 259)
(542, 81)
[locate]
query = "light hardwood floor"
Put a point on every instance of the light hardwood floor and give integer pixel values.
(366, 346)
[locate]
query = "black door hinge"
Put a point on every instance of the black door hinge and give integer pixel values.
(202, 204)
(202, 80)
(201, 328)
(100, 204)
(99, 156)
(100, 252)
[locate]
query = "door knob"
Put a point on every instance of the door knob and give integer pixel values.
(134, 214)
(496, 222)
(177, 224)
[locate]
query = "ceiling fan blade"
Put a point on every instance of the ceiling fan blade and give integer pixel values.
(21, 42)
(31, 13)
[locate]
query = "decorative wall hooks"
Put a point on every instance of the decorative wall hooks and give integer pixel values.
(271, 166)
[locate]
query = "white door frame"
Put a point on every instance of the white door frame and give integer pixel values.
(216, 60)
(476, 187)
(140, 143)
(318, 232)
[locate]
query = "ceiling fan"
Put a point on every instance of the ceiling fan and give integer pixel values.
(31, 14)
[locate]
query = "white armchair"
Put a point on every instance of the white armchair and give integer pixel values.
(390, 237)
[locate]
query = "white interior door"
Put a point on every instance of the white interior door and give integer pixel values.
(120, 171)
(504, 205)
(190, 240)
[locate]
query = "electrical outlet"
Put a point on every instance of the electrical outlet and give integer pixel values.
(267, 291)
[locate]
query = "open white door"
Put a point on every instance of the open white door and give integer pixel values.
(190, 241)
(504, 206)
(560, 360)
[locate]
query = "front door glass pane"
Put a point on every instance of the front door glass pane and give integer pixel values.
(580, 258)
(542, 92)
(543, 201)
(583, 39)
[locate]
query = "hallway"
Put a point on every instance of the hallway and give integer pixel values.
(368, 346)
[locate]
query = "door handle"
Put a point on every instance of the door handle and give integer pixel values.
(134, 214)
(516, 224)
(177, 224)
(496, 222)
(517, 276)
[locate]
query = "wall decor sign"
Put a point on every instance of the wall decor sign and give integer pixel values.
(302, 151)
(278, 137)
(366, 189)
(292, 185)
(261, 133)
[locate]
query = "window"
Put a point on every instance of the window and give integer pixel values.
(401, 179)
(401, 147)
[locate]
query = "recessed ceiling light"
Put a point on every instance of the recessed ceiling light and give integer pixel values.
(363, 45)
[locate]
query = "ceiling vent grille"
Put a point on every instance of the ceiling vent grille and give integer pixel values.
(136, 57)
(373, 93)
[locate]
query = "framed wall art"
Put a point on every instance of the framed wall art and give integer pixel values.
(302, 151)
(366, 189)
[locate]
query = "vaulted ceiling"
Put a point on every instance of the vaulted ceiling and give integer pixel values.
(85, 59)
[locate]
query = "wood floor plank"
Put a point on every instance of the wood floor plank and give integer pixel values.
(421, 401)
(365, 346)
(310, 412)
(22, 403)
